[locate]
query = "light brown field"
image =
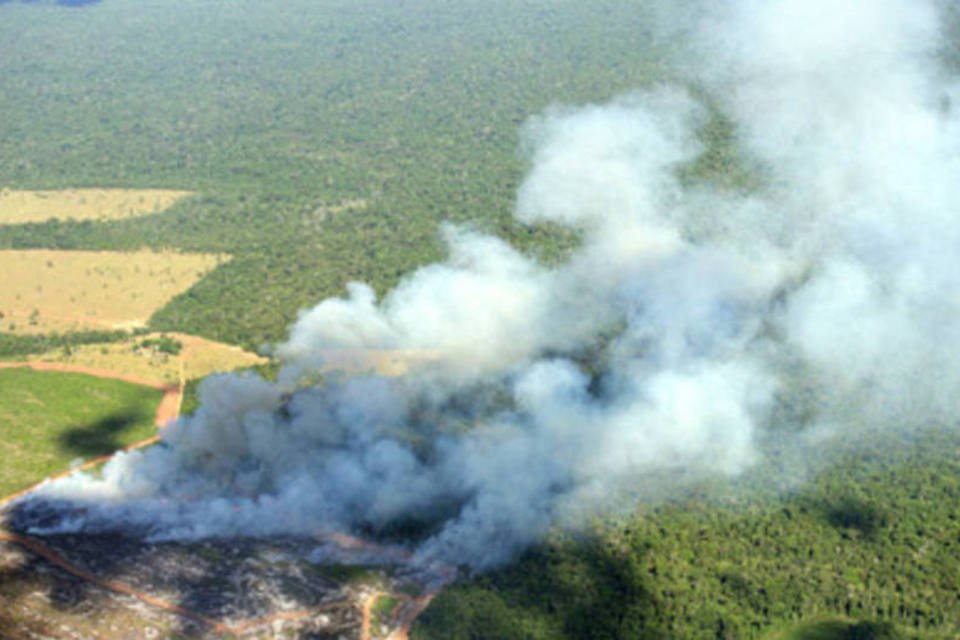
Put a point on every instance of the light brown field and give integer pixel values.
(45, 291)
(384, 362)
(17, 207)
(199, 357)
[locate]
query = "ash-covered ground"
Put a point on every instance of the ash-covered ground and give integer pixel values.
(119, 586)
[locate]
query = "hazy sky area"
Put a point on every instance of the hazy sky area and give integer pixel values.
(693, 329)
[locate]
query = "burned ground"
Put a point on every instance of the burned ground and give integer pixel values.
(117, 586)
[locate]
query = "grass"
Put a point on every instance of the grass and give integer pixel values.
(198, 358)
(48, 291)
(48, 420)
(384, 609)
(384, 362)
(18, 207)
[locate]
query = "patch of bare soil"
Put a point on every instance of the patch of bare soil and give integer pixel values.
(88, 587)
(115, 586)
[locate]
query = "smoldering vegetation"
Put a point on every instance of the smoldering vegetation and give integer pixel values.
(695, 333)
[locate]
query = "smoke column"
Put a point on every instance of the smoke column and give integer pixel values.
(689, 323)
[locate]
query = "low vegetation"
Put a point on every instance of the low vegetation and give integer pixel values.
(48, 420)
(385, 610)
(57, 291)
(161, 357)
(18, 207)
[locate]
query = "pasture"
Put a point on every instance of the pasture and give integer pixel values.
(49, 419)
(197, 357)
(18, 207)
(46, 291)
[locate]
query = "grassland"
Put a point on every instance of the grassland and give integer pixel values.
(197, 357)
(69, 290)
(385, 362)
(48, 419)
(19, 207)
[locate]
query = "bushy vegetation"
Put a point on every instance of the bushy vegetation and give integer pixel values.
(14, 346)
(162, 344)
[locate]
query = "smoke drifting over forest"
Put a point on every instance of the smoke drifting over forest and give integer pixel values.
(690, 321)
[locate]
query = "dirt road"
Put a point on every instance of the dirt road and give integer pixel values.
(169, 409)
(37, 547)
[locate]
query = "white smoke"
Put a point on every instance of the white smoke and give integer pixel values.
(679, 332)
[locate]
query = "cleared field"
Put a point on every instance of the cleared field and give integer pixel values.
(69, 290)
(198, 357)
(49, 419)
(18, 207)
(384, 362)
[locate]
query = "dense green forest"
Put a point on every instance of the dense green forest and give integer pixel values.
(868, 548)
(275, 113)
(325, 141)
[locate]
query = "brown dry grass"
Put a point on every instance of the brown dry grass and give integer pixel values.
(199, 357)
(384, 362)
(47, 291)
(83, 204)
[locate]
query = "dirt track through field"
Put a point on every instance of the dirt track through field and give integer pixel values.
(404, 617)
(37, 547)
(409, 613)
(169, 409)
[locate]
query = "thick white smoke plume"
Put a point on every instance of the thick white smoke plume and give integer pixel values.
(659, 353)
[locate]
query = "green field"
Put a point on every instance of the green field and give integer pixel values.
(48, 420)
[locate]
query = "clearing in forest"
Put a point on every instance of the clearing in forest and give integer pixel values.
(61, 291)
(17, 207)
(161, 358)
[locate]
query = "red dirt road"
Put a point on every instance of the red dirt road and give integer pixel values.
(169, 409)
(35, 546)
